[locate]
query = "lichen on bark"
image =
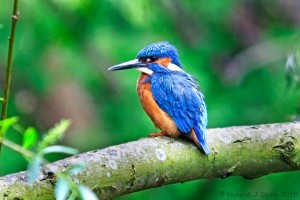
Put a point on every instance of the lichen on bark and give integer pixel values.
(248, 151)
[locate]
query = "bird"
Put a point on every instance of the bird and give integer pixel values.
(170, 96)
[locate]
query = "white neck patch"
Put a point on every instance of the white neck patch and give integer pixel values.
(145, 70)
(173, 67)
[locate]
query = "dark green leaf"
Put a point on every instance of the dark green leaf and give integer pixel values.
(73, 196)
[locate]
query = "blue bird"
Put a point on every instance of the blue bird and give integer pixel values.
(170, 96)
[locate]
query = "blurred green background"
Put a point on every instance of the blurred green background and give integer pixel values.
(236, 49)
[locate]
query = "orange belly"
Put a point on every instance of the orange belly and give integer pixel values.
(160, 118)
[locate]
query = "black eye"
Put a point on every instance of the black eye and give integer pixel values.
(148, 59)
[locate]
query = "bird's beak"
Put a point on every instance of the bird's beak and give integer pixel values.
(128, 65)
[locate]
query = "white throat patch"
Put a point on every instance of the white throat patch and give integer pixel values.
(145, 70)
(173, 67)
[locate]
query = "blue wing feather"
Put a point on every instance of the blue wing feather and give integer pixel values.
(178, 94)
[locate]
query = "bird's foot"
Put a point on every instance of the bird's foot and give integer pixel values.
(157, 134)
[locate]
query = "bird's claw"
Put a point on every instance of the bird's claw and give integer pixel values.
(157, 134)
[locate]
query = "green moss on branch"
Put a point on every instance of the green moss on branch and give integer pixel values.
(248, 151)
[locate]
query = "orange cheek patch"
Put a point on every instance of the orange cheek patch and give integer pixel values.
(164, 61)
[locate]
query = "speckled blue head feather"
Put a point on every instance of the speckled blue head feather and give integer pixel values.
(161, 50)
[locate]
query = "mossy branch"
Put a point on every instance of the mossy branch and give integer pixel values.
(248, 151)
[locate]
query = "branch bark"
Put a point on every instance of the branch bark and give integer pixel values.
(248, 151)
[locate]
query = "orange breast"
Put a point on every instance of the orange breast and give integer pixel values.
(160, 118)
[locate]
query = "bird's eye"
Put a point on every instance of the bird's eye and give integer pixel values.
(147, 59)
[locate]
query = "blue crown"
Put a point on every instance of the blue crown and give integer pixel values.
(161, 50)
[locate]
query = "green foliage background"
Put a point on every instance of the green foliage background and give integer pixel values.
(236, 49)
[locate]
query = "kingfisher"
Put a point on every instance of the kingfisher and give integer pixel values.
(170, 96)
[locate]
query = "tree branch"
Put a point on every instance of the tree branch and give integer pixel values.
(248, 151)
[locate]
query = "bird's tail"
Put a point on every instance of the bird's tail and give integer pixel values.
(198, 135)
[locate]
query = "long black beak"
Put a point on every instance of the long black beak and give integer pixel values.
(128, 65)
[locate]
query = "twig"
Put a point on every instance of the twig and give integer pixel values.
(18, 148)
(15, 18)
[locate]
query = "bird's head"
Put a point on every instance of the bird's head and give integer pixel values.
(162, 53)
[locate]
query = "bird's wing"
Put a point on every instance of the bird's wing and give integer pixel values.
(178, 95)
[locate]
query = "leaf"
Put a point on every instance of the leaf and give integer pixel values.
(59, 149)
(75, 169)
(292, 66)
(7, 123)
(29, 137)
(86, 193)
(54, 134)
(1, 99)
(61, 189)
(34, 169)
(73, 196)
